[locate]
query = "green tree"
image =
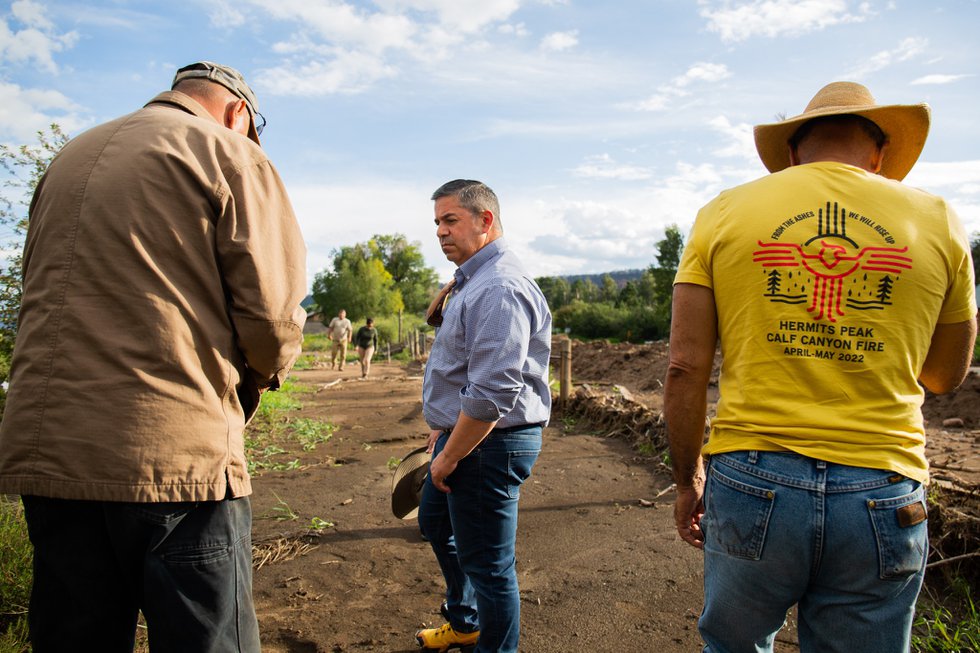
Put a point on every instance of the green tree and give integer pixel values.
(358, 284)
(585, 290)
(406, 265)
(646, 287)
(610, 290)
(668, 258)
(629, 296)
(556, 290)
(23, 166)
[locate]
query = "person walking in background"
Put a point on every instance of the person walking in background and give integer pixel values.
(366, 341)
(833, 289)
(126, 444)
(340, 330)
(486, 398)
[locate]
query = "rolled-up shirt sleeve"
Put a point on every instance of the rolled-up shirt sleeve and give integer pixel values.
(263, 260)
(501, 328)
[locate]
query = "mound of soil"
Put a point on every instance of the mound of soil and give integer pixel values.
(643, 367)
(633, 375)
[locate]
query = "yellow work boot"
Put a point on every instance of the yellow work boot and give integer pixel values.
(444, 638)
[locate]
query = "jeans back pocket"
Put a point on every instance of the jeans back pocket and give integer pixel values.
(901, 547)
(736, 515)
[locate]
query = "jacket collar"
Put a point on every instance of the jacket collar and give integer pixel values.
(183, 102)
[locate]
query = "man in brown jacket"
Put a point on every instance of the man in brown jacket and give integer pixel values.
(163, 273)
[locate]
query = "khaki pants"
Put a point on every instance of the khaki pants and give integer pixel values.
(338, 351)
(365, 354)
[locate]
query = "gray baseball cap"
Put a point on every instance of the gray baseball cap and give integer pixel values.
(230, 79)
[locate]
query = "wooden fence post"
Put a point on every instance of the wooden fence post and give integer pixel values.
(565, 371)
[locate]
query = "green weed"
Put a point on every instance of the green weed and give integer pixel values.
(317, 525)
(950, 626)
(645, 448)
(394, 462)
(16, 557)
(311, 432)
(305, 362)
(282, 512)
(270, 426)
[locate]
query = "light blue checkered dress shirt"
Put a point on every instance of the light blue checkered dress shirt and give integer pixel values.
(490, 356)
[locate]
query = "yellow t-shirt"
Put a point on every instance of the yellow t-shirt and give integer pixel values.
(828, 282)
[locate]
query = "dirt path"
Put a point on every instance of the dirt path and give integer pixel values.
(598, 571)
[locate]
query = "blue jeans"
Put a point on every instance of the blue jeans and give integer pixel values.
(187, 566)
(847, 544)
(473, 531)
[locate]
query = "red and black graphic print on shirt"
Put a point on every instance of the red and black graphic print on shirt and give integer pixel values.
(830, 271)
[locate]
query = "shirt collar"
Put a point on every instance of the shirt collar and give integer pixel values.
(466, 271)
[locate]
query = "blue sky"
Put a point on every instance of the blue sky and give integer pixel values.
(598, 123)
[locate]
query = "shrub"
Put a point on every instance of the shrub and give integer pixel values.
(604, 320)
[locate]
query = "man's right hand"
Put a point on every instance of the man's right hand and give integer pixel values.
(433, 436)
(688, 510)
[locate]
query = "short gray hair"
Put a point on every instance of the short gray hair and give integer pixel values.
(474, 196)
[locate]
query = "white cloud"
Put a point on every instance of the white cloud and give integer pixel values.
(466, 15)
(740, 140)
(223, 14)
(31, 14)
(703, 72)
(602, 166)
(520, 29)
(345, 25)
(36, 41)
(340, 71)
(24, 112)
(558, 41)
(343, 47)
(907, 49)
(771, 18)
(324, 213)
(677, 87)
(938, 79)
(957, 181)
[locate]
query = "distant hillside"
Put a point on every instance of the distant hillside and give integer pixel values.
(619, 276)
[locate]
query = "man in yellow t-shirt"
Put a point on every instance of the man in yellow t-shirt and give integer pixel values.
(834, 291)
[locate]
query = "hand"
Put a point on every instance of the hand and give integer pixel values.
(688, 510)
(431, 444)
(439, 469)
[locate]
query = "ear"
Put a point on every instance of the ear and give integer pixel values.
(237, 117)
(794, 158)
(486, 221)
(877, 158)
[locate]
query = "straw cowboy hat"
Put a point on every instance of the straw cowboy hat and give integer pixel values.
(905, 125)
(407, 481)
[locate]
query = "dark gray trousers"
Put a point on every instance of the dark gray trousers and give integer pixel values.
(187, 566)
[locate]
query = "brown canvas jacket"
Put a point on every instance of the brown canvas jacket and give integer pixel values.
(163, 275)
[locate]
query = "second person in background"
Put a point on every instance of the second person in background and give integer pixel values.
(366, 342)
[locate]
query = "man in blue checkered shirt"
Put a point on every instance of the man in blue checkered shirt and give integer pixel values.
(486, 399)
